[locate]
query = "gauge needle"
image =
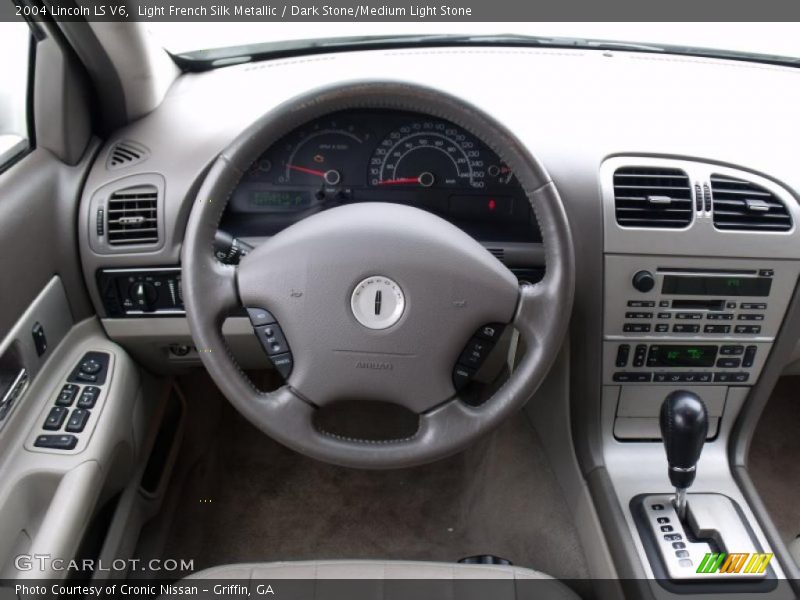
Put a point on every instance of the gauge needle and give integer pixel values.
(331, 176)
(309, 171)
(398, 181)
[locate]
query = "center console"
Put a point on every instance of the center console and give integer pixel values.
(700, 265)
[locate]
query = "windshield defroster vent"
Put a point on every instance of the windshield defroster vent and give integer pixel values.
(125, 154)
(744, 206)
(652, 197)
(133, 216)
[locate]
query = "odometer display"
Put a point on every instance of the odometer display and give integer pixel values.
(278, 199)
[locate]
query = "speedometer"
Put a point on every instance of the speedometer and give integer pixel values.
(429, 153)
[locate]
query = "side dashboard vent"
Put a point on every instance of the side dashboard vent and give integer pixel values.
(133, 216)
(744, 206)
(125, 154)
(652, 197)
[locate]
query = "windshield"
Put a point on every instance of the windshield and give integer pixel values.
(773, 39)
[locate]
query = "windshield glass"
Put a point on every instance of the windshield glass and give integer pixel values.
(775, 39)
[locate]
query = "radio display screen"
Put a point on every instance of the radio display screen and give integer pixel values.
(725, 285)
(682, 356)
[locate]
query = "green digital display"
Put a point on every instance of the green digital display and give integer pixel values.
(281, 200)
(693, 285)
(682, 356)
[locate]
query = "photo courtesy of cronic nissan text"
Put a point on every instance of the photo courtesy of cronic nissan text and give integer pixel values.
(403, 300)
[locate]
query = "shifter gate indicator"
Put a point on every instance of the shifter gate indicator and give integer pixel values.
(377, 302)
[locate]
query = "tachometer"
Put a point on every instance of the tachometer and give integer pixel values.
(428, 153)
(321, 155)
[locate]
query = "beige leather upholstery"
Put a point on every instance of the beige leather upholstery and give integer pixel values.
(390, 579)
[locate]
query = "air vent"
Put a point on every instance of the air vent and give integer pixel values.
(744, 206)
(499, 253)
(133, 216)
(652, 197)
(125, 154)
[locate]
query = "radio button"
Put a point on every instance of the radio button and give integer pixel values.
(732, 350)
(664, 315)
(766, 273)
(730, 305)
(719, 316)
(641, 303)
(684, 328)
(638, 315)
(748, 329)
(662, 327)
(636, 327)
(664, 303)
(751, 317)
(688, 315)
(753, 306)
(717, 329)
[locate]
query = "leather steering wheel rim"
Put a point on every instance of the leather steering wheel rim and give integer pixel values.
(211, 290)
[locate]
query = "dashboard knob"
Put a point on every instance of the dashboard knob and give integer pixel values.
(143, 294)
(644, 281)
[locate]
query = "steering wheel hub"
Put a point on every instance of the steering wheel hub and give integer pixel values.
(377, 302)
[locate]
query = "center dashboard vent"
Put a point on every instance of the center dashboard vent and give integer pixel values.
(652, 197)
(133, 216)
(744, 206)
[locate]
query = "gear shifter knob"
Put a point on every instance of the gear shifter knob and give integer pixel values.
(684, 426)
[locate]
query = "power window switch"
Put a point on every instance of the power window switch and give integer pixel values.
(55, 419)
(88, 397)
(77, 420)
(67, 395)
(56, 442)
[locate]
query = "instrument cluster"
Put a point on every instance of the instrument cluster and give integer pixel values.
(382, 156)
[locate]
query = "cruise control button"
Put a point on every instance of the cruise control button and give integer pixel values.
(283, 363)
(55, 418)
(77, 420)
(474, 353)
(462, 376)
(260, 316)
(56, 442)
(272, 339)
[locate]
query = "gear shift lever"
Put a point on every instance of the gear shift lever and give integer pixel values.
(684, 426)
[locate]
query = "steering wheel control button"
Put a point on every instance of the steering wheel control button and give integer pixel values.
(92, 368)
(55, 419)
(283, 363)
(475, 353)
(462, 376)
(260, 316)
(272, 339)
(77, 420)
(56, 442)
(67, 395)
(377, 302)
(490, 332)
(88, 397)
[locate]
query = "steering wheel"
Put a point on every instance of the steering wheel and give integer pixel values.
(375, 301)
